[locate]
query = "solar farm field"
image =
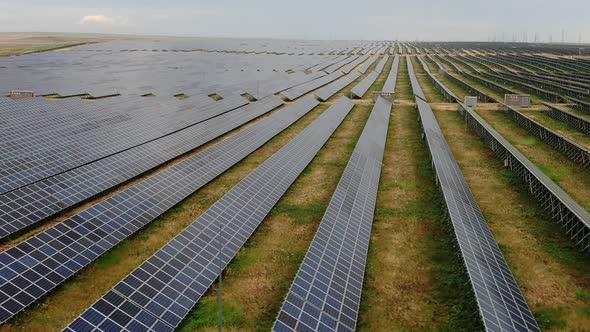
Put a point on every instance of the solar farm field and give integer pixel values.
(160, 184)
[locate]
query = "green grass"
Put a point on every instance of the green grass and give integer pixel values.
(301, 214)
(206, 315)
(550, 318)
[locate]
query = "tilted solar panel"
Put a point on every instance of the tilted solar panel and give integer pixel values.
(363, 86)
(390, 82)
(165, 287)
(30, 204)
(326, 292)
(37, 265)
(331, 89)
(502, 306)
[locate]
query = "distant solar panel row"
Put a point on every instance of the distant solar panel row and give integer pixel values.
(331, 89)
(302, 89)
(365, 66)
(363, 86)
(446, 92)
(72, 152)
(563, 209)
(501, 304)
(349, 67)
(567, 147)
(578, 122)
(326, 292)
(37, 265)
(162, 291)
(340, 64)
(382, 63)
(326, 63)
(573, 218)
(30, 204)
(390, 82)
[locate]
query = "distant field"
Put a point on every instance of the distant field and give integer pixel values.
(14, 43)
(20, 43)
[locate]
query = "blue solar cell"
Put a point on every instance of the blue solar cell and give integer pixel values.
(256, 194)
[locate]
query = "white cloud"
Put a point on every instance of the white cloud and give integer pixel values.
(97, 19)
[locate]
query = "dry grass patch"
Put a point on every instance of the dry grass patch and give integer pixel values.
(551, 273)
(258, 279)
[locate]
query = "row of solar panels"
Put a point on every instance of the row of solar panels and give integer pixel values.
(569, 148)
(37, 265)
(390, 82)
(161, 291)
(573, 218)
(76, 72)
(326, 292)
(61, 154)
(502, 306)
(44, 194)
(364, 85)
(30, 204)
(575, 121)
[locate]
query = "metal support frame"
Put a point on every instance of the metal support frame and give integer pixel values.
(573, 120)
(566, 212)
(568, 148)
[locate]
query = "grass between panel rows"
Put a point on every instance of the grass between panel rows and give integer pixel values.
(552, 274)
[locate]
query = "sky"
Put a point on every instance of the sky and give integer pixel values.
(411, 20)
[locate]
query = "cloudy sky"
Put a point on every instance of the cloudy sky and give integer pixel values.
(318, 19)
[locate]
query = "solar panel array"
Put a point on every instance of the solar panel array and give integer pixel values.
(37, 265)
(21, 166)
(349, 67)
(300, 90)
(340, 64)
(567, 147)
(575, 121)
(363, 86)
(30, 204)
(162, 291)
(573, 218)
(381, 64)
(168, 67)
(331, 89)
(365, 66)
(390, 82)
(446, 92)
(501, 304)
(326, 292)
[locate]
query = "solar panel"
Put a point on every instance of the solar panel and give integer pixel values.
(349, 67)
(331, 89)
(363, 86)
(340, 64)
(326, 292)
(170, 283)
(37, 265)
(381, 64)
(60, 155)
(300, 90)
(30, 204)
(365, 66)
(391, 80)
(502, 306)
(575, 121)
